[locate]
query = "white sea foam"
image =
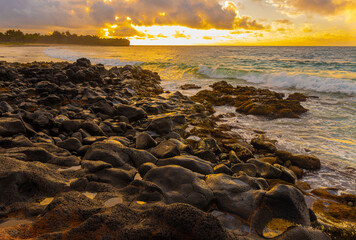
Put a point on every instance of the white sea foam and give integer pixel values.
(69, 55)
(305, 82)
(284, 80)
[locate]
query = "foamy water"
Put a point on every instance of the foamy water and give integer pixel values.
(328, 130)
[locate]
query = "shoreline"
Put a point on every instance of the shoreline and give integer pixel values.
(126, 144)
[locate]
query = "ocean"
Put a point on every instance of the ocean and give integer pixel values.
(327, 130)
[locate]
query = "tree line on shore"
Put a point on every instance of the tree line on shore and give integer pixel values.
(17, 36)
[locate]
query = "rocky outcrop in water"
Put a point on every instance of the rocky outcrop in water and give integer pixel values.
(92, 153)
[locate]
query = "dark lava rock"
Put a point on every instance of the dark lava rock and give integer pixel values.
(21, 181)
(249, 168)
(71, 144)
(116, 154)
(94, 166)
(161, 125)
(116, 177)
(266, 170)
(303, 233)
(71, 125)
(11, 126)
(46, 86)
(145, 141)
(234, 196)
(206, 155)
(92, 128)
(193, 163)
(189, 86)
(259, 143)
(222, 168)
(165, 149)
(131, 112)
(83, 62)
(144, 168)
(181, 185)
(241, 152)
(288, 203)
(308, 162)
(209, 144)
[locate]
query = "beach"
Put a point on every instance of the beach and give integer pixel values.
(92, 151)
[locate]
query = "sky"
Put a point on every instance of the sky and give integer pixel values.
(191, 22)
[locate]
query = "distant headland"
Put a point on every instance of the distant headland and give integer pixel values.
(17, 36)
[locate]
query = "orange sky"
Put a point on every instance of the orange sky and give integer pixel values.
(190, 22)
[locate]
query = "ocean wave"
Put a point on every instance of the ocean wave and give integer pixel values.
(69, 55)
(304, 82)
(283, 80)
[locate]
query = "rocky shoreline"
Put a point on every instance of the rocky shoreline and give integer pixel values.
(92, 153)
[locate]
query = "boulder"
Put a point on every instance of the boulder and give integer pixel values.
(248, 168)
(11, 126)
(266, 170)
(21, 181)
(234, 196)
(94, 166)
(116, 154)
(92, 128)
(70, 144)
(165, 149)
(181, 185)
(308, 162)
(192, 163)
(131, 112)
(222, 168)
(161, 125)
(145, 141)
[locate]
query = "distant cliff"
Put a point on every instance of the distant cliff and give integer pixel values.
(16, 36)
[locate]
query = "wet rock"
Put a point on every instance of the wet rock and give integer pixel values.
(145, 141)
(248, 168)
(297, 171)
(165, 149)
(266, 170)
(192, 163)
(303, 233)
(233, 158)
(71, 144)
(288, 203)
(297, 96)
(206, 155)
(11, 126)
(131, 112)
(222, 168)
(308, 162)
(209, 144)
(180, 185)
(241, 152)
(287, 174)
(260, 144)
(233, 195)
(189, 86)
(161, 125)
